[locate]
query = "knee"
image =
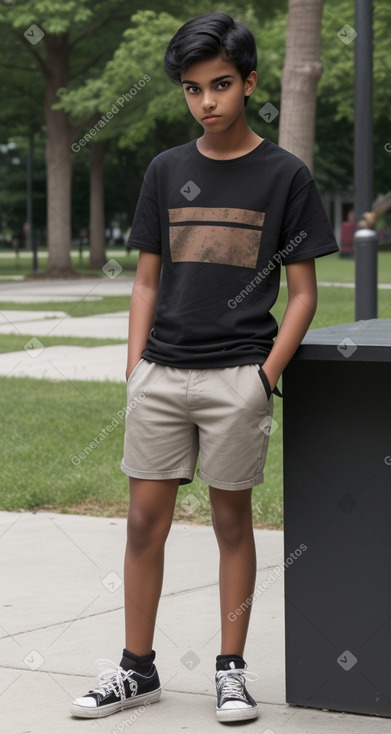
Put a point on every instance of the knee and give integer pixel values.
(145, 530)
(230, 529)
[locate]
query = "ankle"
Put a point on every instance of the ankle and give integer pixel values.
(227, 662)
(140, 663)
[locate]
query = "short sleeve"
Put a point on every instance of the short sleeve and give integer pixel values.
(145, 233)
(306, 230)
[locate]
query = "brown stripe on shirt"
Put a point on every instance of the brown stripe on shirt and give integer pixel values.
(217, 214)
(209, 244)
(203, 234)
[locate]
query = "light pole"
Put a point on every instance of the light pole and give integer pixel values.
(31, 241)
(365, 245)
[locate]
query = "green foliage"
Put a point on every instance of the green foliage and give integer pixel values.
(91, 30)
(160, 103)
(128, 87)
(335, 113)
(53, 16)
(110, 52)
(337, 81)
(141, 52)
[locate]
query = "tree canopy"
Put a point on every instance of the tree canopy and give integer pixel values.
(114, 89)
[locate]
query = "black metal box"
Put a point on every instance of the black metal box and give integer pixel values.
(337, 519)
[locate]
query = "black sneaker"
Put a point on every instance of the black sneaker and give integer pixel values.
(234, 702)
(117, 689)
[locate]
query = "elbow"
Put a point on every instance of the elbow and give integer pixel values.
(312, 304)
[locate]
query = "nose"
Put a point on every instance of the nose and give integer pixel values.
(208, 102)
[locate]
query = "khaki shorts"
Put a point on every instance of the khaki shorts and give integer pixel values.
(174, 415)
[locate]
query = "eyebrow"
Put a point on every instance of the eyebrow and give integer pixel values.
(212, 81)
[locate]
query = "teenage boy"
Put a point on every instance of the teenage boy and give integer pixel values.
(215, 220)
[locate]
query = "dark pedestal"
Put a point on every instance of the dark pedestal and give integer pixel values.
(337, 515)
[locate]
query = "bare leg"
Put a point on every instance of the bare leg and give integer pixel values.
(149, 520)
(232, 522)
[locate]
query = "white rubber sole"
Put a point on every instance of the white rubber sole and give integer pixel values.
(236, 714)
(95, 712)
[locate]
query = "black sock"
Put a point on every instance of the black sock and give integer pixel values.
(140, 663)
(223, 662)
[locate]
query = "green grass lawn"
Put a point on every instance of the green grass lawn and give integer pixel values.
(334, 268)
(107, 304)
(12, 266)
(50, 426)
(51, 422)
(335, 306)
(16, 342)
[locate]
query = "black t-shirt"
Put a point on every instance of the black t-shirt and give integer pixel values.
(223, 228)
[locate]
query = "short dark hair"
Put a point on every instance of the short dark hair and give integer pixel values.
(207, 36)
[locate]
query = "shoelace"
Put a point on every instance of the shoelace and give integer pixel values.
(230, 683)
(112, 680)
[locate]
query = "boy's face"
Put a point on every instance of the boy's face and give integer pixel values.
(214, 91)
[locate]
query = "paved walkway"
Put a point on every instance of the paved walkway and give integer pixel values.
(62, 585)
(65, 362)
(62, 608)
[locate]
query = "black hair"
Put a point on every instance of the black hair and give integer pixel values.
(207, 36)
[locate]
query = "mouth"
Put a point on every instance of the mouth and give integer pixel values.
(209, 118)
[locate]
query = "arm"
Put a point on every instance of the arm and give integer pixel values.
(300, 310)
(142, 306)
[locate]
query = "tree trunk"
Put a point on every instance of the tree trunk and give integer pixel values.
(97, 205)
(302, 71)
(58, 159)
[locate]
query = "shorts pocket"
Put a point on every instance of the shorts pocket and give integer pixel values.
(265, 381)
(135, 368)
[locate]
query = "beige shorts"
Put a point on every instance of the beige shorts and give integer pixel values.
(174, 415)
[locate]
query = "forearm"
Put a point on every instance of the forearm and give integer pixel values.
(300, 310)
(142, 306)
(141, 318)
(297, 318)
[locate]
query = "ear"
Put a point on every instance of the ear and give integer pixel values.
(250, 83)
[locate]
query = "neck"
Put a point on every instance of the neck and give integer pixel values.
(233, 143)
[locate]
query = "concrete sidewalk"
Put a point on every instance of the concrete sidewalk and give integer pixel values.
(65, 362)
(100, 364)
(62, 609)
